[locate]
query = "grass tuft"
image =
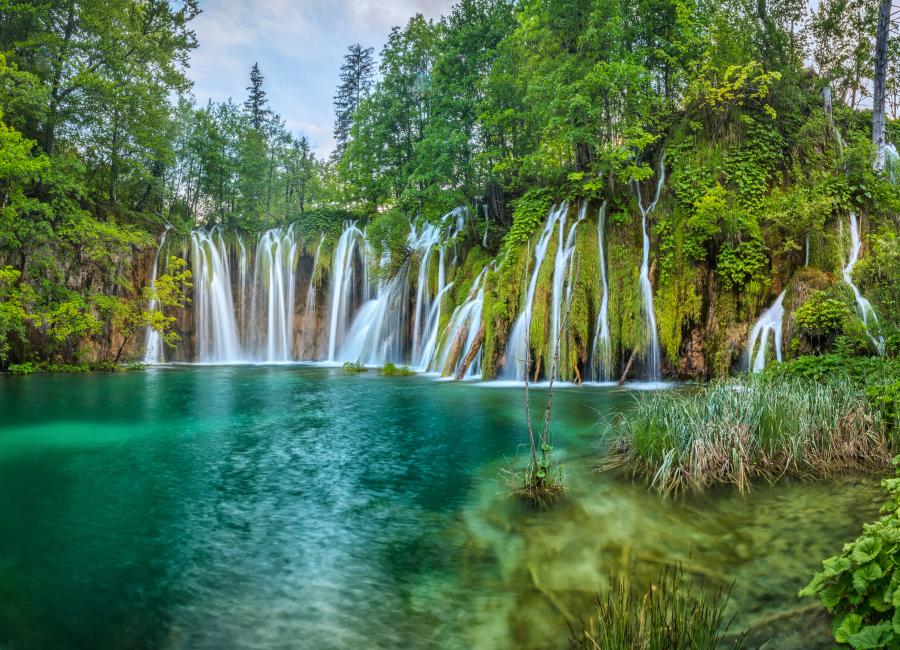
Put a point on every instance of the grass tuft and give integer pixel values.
(736, 430)
(672, 614)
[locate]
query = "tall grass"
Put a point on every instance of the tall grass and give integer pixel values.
(672, 614)
(735, 430)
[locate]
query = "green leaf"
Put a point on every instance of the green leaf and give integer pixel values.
(866, 549)
(835, 565)
(848, 626)
(871, 636)
(866, 575)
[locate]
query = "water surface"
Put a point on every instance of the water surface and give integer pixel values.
(299, 507)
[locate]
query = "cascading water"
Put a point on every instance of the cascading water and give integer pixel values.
(601, 356)
(866, 311)
(653, 356)
(563, 266)
(273, 295)
(769, 323)
(518, 342)
(154, 353)
(376, 335)
(425, 243)
(468, 316)
(216, 329)
(349, 254)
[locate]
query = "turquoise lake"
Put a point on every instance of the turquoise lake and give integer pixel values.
(304, 507)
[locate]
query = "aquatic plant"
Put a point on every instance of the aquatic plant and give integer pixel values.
(391, 370)
(355, 366)
(670, 614)
(861, 586)
(735, 430)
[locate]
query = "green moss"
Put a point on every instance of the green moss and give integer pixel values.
(623, 250)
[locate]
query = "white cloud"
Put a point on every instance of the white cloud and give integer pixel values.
(299, 45)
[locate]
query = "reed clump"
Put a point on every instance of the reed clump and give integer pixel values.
(755, 427)
(672, 613)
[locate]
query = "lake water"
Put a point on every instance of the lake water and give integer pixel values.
(303, 507)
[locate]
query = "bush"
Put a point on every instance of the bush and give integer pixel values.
(672, 614)
(821, 318)
(354, 366)
(861, 586)
(390, 370)
(735, 430)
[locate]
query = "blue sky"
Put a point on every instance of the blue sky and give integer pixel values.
(299, 45)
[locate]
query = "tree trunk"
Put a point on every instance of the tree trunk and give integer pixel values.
(881, 46)
(455, 351)
(470, 358)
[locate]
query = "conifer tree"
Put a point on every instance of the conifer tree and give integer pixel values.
(256, 103)
(356, 81)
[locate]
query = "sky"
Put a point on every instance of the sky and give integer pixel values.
(299, 44)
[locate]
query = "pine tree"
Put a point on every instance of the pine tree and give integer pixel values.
(256, 103)
(356, 81)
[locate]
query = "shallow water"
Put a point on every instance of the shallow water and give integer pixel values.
(297, 507)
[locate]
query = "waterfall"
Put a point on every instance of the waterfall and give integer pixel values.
(484, 207)
(866, 311)
(243, 278)
(467, 315)
(601, 356)
(350, 246)
(154, 354)
(806, 248)
(216, 328)
(425, 243)
(309, 316)
(274, 289)
(768, 323)
(653, 358)
(563, 270)
(891, 158)
(376, 335)
(514, 367)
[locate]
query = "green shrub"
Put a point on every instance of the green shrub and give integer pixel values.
(390, 370)
(821, 318)
(861, 586)
(355, 366)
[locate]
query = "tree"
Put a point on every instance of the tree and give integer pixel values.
(881, 62)
(256, 103)
(356, 81)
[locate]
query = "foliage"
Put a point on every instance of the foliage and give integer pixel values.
(354, 367)
(391, 370)
(821, 318)
(860, 586)
(31, 367)
(735, 430)
(673, 613)
(14, 304)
